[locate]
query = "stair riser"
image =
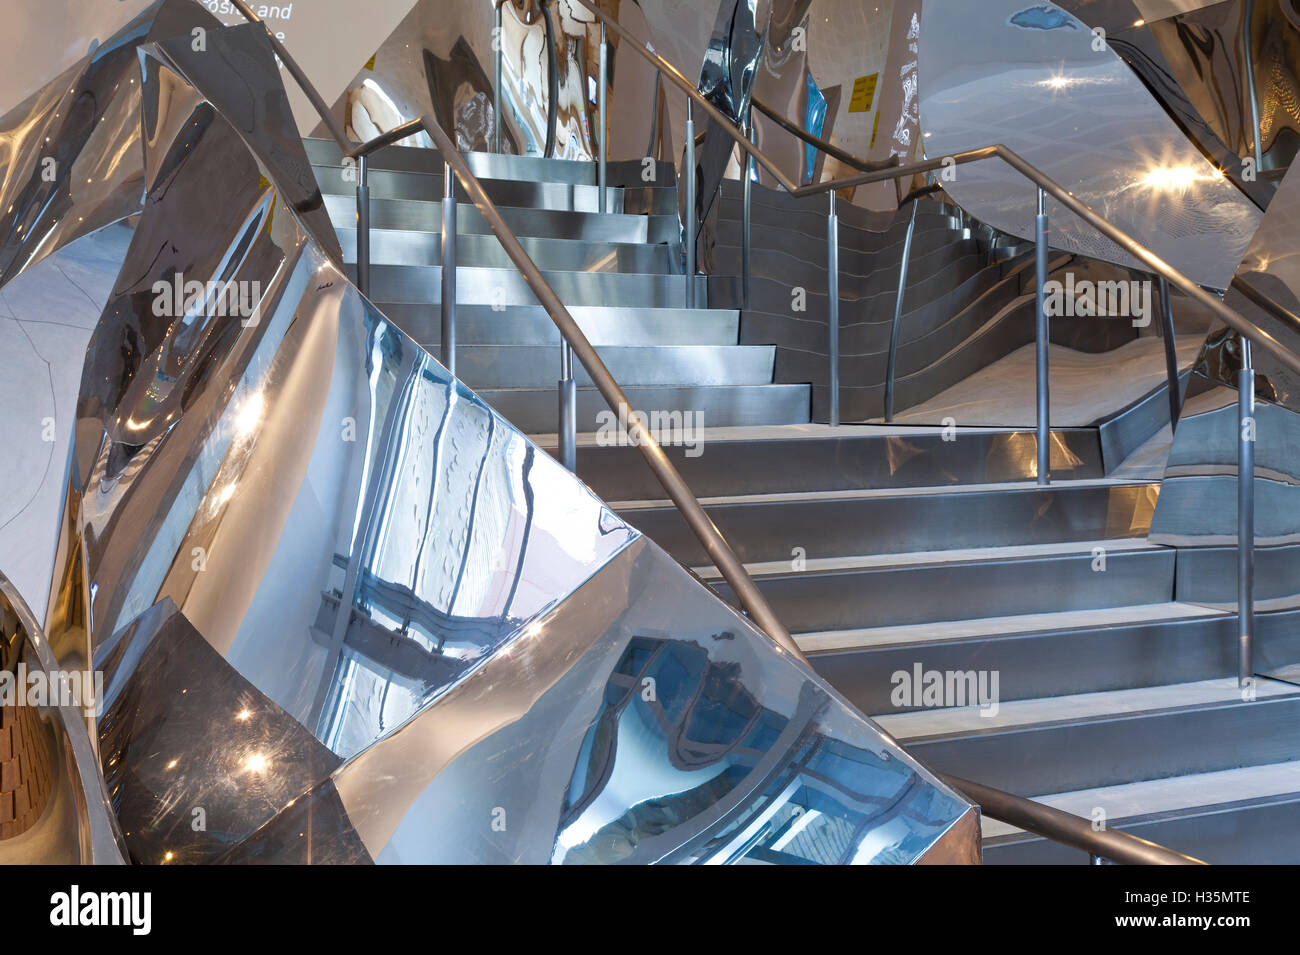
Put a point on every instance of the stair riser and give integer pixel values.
(490, 366)
(1058, 663)
(812, 602)
(538, 223)
(855, 461)
(1121, 749)
(484, 251)
(534, 411)
(531, 325)
(476, 286)
(323, 152)
(924, 522)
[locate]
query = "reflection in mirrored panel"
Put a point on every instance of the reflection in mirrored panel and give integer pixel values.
(1028, 76)
(71, 151)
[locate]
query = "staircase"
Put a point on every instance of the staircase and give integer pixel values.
(891, 552)
(620, 275)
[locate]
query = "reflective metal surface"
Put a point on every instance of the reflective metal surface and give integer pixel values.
(442, 55)
(1028, 76)
(70, 155)
(53, 806)
(346, 613)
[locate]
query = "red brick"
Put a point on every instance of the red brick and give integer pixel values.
(22, 802)
(6, 748)
(6, 807)
(9, 776)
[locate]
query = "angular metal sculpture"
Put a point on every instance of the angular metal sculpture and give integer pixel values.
(1027, 74)
(344, 612)
(71, 153)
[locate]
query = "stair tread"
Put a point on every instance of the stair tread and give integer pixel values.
(1020, 714)
(1118, 545)
(1171, 795)
(956, 630)
(873, 493)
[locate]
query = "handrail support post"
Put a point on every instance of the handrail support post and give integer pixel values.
(363, 226)
(602, 99)
(833, 315)
(688, 236)
(448, 268)
(1246, 515)
(568, 420)
(1171, 353)
(499, 48)
(1043, 341)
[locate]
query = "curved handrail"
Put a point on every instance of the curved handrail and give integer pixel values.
(396, 134)
(1066, 827)
(830, 149)
(1138, 251)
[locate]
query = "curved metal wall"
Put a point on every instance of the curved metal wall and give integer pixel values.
(1035, 78)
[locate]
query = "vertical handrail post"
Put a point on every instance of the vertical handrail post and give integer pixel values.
(500, 93)
(1043, 341)
(1248, 37)
(602, 101)
(568, 422)
(895, 331)
(746, 235)
(688, 170)
(448, 268)
(363, 226)
(1246, 436)
(833, 296)
(1171, 354)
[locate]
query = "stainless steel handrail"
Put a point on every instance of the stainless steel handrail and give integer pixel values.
(715, 545)
(1002, 805)
(304, 84)
(830, 149)
(1066, 828)
(719, 551)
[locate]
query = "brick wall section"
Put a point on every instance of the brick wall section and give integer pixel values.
(25, 769)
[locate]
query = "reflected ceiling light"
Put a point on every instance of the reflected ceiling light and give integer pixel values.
(257, 763)
(250, 414)
(1174, 178)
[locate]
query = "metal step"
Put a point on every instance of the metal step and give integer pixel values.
(401, 247)
(1249, 815)
(426, 216)
(1089, 740)
(538, 366)
(603, 325)
(483, 286)
(901, 589)
(534, 410)
(326, 152)
(828, 525)
(1040, 655)
(819, 458)
(520, 193)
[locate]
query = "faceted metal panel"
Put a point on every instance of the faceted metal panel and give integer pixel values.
(1035, 78)
(70, 155)
(351, 614)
